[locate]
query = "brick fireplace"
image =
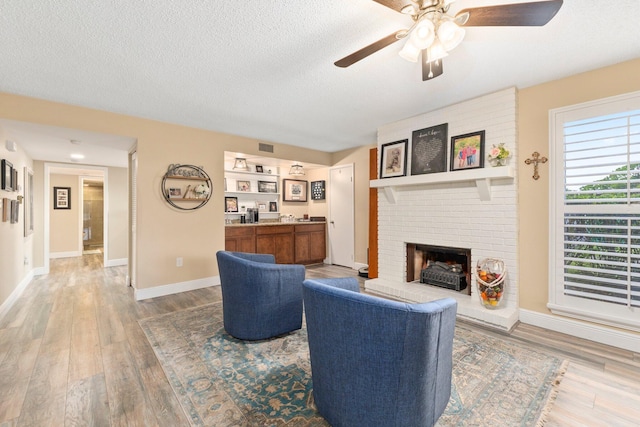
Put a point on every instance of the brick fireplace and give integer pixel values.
(458, 209)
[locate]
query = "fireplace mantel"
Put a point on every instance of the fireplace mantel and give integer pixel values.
(482, 177)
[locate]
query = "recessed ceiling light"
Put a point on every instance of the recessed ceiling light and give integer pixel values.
(77, 156)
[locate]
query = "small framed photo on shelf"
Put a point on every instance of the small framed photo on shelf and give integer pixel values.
(267, 187)
(273, 206)
(295, 190)
(393, 159)
(262, 206)
(467, 151)
(231, 204)
(259, 169)
(243, 185)
(175, 193)
(61, 197)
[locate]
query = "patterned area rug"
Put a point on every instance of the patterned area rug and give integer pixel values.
(223, 382)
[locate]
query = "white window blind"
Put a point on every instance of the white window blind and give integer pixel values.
(595, 253)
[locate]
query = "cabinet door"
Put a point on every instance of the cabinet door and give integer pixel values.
(240, 239)
(317, 246)
(302, 248)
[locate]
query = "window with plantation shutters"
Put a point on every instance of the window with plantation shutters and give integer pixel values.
(595, 205)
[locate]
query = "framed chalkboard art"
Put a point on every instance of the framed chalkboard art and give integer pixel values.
(393, 159)
(467, 151)
(429, 150)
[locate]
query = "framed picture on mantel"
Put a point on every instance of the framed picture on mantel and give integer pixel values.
(429, 150)
(393, 159)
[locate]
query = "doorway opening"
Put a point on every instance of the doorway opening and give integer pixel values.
(92, 216)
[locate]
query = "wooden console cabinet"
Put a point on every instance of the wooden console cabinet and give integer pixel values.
(289, 243)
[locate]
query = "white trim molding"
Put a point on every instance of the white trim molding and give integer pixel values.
(17, 292)
(116, 262)
(589, 331)
(176, 288)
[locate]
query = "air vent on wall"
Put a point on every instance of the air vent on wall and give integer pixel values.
(268, 148)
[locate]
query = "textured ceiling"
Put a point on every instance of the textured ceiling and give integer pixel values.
(264, 69)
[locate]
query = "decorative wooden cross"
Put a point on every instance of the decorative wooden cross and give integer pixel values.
(536, 159)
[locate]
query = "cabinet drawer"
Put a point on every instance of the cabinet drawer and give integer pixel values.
(274, 229)
(245, 231)
(309, 227)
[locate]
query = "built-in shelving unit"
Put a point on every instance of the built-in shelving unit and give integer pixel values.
(253, 190)
(483, 179)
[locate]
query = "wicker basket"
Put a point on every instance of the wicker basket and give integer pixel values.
(490, 277)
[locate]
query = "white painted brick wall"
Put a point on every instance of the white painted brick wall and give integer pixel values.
(452, 214)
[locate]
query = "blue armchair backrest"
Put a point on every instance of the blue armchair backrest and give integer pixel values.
(376, 361)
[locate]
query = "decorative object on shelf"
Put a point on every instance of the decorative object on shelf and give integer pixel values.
(295, 190)
(243, 185)
(231, 204)
(498, 155)
(467, 151)
(61, 197)
(536, 159)
(429, 150)
(259, 169)
(240, 164)
(267, 187)
(262, 206)
(201, 191)
(296, 170)
(317, 190)
(198, 188)
(393, 159)
(490, 277)
(273, 206)
(7, 175)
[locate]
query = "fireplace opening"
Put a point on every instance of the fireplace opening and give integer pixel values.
(441, 266)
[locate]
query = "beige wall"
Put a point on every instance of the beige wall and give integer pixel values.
(118, 213)
(533, 123)
(163, 232)
(64, 224)
(15, 248)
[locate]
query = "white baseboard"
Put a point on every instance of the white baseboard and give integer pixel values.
(39, 271)
(13, 297)
(359, 265)
(589, 331)
(69, 254)
(116, 262)
(176, 288)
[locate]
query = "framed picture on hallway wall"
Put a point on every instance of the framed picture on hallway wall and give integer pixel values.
(61, 197)
(467, 151)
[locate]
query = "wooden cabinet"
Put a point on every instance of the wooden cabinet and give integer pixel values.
(310, 243)
(277, 240)
(240, 239)
(290, 244)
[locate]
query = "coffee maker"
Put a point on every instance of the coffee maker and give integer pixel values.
(252, 216)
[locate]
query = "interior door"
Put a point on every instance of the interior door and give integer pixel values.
(341, 215)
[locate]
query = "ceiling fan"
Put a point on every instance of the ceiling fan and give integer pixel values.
(434, 32)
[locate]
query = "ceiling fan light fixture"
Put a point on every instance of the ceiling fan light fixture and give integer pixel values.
(424, 34)
(435, 52)
(410, 52)
(409, 9)
(450, 35)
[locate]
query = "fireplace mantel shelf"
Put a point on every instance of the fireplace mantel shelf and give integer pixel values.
(482, 178)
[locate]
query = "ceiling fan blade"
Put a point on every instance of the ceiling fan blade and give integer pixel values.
(396, 5)
(533, 14)
(431, 70)
(366, 51)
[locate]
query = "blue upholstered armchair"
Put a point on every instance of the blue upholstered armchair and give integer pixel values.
(377, 362)
(260, 299)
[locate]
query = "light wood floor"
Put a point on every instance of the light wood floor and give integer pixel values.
(72, 354)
